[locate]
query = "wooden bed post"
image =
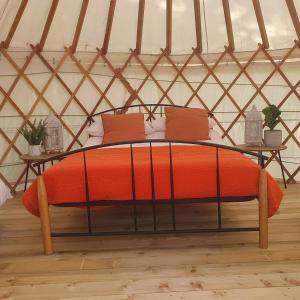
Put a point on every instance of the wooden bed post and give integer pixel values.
(263, 210)
(44, 216)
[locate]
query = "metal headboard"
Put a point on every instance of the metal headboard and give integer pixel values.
(151, 110)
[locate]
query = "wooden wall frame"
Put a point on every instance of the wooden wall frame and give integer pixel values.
(118, 74)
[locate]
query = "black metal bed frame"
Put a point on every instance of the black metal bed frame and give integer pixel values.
(151, 111)
(173, 201)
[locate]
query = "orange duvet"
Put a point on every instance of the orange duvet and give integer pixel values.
(109, 176)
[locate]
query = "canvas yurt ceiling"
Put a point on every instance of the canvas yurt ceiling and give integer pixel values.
(77, 57)
(94, 14)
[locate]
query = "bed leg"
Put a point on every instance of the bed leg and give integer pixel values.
(44, 216)
(263, 210)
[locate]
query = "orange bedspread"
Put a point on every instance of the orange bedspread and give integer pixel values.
(109, 174)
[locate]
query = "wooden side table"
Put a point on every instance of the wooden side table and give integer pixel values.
(29, 160)
(263, 148)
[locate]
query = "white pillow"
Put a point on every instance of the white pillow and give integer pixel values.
(211, 123)
(148, 128)
(96, 128)
(92, 141)
(159, 124)
(160, 135)
(157, 135)
(216, 137)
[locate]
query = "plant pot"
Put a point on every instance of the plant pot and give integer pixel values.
(272, 138)
(34, 150)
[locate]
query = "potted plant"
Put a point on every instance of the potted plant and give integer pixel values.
(272, 138)
(34, 136)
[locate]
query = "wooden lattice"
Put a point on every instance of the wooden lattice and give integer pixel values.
(196, 59)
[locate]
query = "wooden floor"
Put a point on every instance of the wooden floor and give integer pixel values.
(189, 267)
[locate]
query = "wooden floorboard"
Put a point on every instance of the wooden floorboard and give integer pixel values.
(189, 266)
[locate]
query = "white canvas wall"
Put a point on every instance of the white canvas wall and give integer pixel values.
(24, 96)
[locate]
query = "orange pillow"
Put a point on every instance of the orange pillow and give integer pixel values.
(121, 128)
(190, 124)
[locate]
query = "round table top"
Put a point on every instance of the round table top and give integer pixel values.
(261, 148)
(27, 157)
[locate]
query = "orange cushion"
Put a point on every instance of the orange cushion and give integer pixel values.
(190, 124)
(125, 127)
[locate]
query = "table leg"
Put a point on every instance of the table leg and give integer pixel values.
(43, 167)
(282, 172)
(26, 176)
(259, 159)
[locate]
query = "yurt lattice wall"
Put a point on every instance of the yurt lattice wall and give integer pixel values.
(76, 84)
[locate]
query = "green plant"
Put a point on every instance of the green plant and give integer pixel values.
(35, 134)
(272, 113)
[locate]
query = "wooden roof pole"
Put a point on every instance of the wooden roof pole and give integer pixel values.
(110, 18)
(83, 9)
(47, 25)
(169, 26)
(15, 24)
(261, 24)
(198, 25)
(292, 9)
(228, 23)
(139, 32)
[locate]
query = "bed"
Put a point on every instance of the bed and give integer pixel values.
(152, 172)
